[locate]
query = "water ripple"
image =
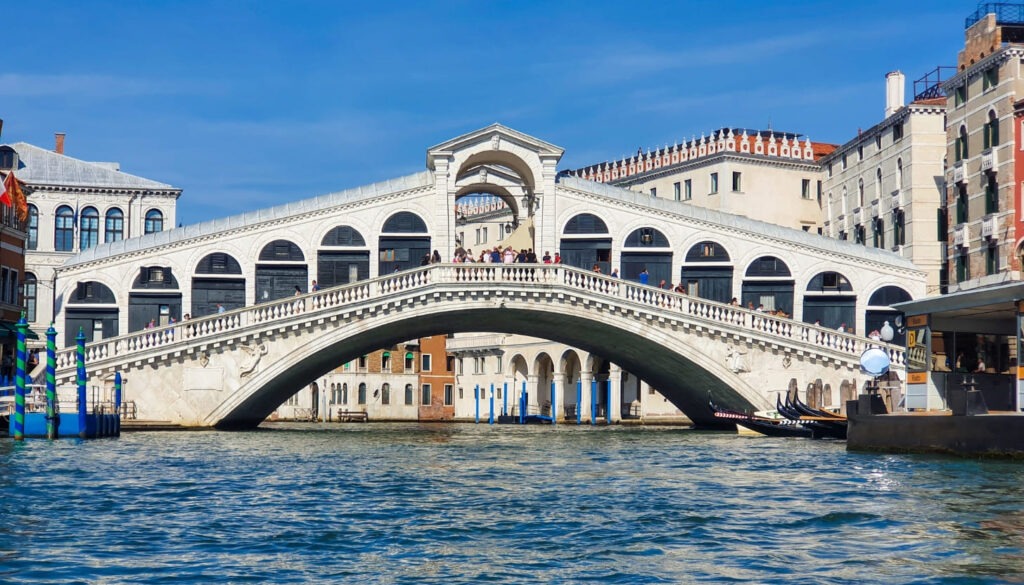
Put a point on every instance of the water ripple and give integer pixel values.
(478, 504)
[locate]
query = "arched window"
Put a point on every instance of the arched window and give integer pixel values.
(343, 236)
(89, 228)
(385, 393)
(408, 394)
(29, 293)
(585, 223)
(344, 393)
(32, 241)
(991, 130)
(154, 221)
(961, 149)
(281, 251)
(113, 229)
(64, 229)
(404, 222)
(361, 398)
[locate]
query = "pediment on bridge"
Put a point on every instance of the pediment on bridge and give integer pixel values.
(493, 136)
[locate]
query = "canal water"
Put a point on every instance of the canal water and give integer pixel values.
(373, 503)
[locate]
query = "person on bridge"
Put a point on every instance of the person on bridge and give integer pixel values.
(314, 287)
(436, 258)
(557, 259)
(220, 308)
(298, 291)
(546, 258)
(644, 276)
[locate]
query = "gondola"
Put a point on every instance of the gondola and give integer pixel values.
(808, 411)
(823, 425)
(766, 426)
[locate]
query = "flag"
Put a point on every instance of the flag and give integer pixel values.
(5, 197)
(15, 194)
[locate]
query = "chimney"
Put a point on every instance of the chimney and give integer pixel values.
(59, 138)
(895, 84)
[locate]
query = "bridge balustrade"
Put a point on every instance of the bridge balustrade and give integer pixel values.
(712, 314)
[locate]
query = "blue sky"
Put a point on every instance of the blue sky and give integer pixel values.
(246, 105)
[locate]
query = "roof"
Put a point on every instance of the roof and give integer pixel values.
(251, 218)
(46, 167)
(740, 222)
(974, 302)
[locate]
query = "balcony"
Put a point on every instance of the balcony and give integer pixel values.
(990, 227)
(875, 208)
(897, 199)
(857, 216)
(989, 160)
(959, 233)
(958, 172)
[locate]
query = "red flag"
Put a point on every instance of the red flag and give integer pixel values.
(5, 197)
(14, 192)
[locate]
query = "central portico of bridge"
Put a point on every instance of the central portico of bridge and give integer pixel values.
(365, 247)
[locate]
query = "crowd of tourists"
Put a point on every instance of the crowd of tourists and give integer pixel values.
(495, 255)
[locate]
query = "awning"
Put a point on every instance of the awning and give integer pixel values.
(10, 330)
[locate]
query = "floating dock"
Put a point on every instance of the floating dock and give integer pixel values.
(967, 429)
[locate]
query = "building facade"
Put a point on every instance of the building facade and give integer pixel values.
(74, 205)
(883, 188)
(983, 197)
(761, 174)
(12, 266)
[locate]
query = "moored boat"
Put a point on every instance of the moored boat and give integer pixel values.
(772, 427)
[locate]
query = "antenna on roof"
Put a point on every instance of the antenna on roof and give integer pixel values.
(769, 123)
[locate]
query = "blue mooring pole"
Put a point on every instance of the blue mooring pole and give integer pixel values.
(554, 409)
(117, 394)
(504, 399)
(476, 399)
(593, 402)
(608, 411)
(490, 418)
(579, 401)
(52, 416)
(80, 363)
(522, 405)
(19, 382)
(117, 403)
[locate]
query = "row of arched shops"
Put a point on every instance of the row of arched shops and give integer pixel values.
(343, 256)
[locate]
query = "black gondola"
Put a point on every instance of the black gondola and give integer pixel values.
(823, 425)
(808, 411)
(766, 426)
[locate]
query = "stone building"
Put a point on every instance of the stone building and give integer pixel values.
(983, 105)
(74, 205)
(13, 231)
(883, 188)
(766, 175)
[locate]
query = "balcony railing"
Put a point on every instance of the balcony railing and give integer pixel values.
(1006, 13)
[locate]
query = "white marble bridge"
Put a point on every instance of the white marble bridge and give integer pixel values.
(233, 369)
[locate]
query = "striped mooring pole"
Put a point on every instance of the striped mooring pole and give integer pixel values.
(19, 382)
(80, 363)
(52, 417)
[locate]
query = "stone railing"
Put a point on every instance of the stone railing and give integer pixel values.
(723, 317)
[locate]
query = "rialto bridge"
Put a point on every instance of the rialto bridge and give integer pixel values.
(365, 246)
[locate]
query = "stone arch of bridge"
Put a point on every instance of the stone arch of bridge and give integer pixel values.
(675, 362)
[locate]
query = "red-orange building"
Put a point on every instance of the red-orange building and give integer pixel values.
(436, 380)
